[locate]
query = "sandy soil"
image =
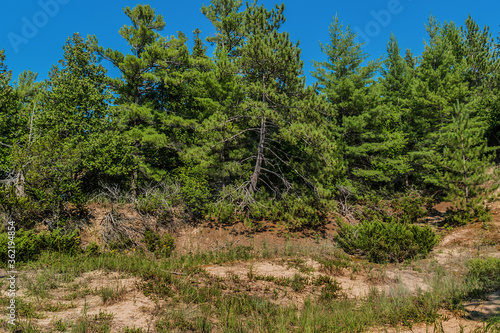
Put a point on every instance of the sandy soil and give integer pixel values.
(136, 310)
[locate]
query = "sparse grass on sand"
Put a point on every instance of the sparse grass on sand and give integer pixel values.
(187, 298)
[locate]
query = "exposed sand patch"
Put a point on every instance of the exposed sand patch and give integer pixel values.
(132, 310)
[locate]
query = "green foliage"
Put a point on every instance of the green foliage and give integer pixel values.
(331, 291)
(238, 136)
(20, 209)
(121, 243)
(383, 242)
(292, 212)
(29, 245)
(461, 160)
(195, 191)
(373, 141)
(486, 270)
(161, 246)
(298, 283)
(92, 249)
(464, 214)
(51, 177)
(335, 266)
(406, 207)
(410, 207)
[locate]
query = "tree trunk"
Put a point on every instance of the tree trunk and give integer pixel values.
(20, 185)
(133, 183)
(260, 157)
(464, 165)
(260, 150)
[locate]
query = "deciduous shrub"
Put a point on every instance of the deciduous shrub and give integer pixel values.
(28, 244)
(386, 241)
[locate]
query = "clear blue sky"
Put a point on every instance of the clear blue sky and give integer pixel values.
(308, 21)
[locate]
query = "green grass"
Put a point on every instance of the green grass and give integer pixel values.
(198, 302)
(112, 294)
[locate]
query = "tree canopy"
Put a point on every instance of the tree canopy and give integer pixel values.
(229, 130)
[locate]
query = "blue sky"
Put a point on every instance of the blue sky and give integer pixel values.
(53, 21)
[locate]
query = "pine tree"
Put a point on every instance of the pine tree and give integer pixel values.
(70, 114)
(7, 110)
(438, 84)
(148, 92)
(19, 104)
(369, 127)
(461, 160)
(483, 63)
(228, 21)
(271, 137)
(75, 103)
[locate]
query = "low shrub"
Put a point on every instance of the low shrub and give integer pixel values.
(486, 271)
(161, 246)
(295, 213)
(92, 249)
(385, 242)
(121, 243)
(406, 207)
(465, 214)
(28, 244)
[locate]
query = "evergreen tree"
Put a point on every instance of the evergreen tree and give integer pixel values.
(461, 160)
(75, 104)
(71, 114)
(384, 137)
(7, 110)
(19, 104)
(270, 137)
(438, 84)
(483, 63)
(147, 92)
(228, 21)
(370, 128)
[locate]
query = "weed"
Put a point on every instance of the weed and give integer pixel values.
(330, 291)
(298, 283)
(300, 265)
(283, 281)
(161, 246)
(100, 323)
(111, 295)
(133, 330)
(61, 325)
(322, 280)
(334, 266)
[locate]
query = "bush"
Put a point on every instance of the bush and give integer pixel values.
(92, 249)
(296, 213)
(195, 190)
(28, 244)
(410, 207)
(161, 246)
(385, 242)
(404, 208)
(120, 243)
(465, 214)
(486, 271)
